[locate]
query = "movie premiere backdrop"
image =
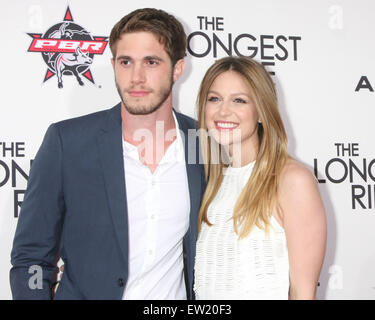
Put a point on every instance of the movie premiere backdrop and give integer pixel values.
(320, 53)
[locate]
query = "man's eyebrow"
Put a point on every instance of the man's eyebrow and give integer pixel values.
(153, 58)
(147, 58)
(123, 58)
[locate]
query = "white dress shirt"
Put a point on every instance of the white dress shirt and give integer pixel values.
(158, 216)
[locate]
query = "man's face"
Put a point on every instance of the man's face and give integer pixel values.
(143, 72)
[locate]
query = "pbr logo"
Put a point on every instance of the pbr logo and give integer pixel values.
(68, 49)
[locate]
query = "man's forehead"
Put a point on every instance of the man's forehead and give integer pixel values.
(140, 45)
(145, 37)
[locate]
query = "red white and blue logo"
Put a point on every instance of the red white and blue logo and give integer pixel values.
(68, 49)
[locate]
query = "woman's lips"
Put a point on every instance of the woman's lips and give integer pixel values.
(226, 125)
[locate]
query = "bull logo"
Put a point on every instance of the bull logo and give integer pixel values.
(68, 49)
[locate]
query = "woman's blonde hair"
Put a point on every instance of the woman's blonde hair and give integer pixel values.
(259, 196)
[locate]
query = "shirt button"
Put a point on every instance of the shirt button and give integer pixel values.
(120, 282)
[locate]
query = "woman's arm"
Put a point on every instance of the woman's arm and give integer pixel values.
(304, 221)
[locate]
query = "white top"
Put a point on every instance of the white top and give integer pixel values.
(256, 267)
(158, 215)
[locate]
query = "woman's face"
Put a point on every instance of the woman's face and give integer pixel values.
(231, 115)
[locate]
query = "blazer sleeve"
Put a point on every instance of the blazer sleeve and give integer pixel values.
(37, 238)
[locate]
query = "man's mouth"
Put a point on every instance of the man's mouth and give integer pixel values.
(138, 93)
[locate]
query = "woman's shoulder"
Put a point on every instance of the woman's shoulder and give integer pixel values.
(298, 190)
(295, 174)
(298, 186)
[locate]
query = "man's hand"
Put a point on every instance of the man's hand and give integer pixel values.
(56, 285)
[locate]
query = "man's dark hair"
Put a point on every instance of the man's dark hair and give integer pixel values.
(168, 30)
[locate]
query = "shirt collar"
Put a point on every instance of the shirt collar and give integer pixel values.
(174, 153)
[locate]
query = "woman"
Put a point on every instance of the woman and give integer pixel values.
(262, 227)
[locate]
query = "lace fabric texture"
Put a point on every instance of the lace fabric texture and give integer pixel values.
(256, 267)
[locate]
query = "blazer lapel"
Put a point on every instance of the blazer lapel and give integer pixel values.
(193, 170)
(195, 176)
(111, 159)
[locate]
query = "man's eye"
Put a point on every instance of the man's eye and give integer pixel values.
(124, 62)
(152, 62)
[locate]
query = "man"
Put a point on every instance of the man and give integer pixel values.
(109, 192)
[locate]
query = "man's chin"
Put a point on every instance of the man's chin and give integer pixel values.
(141, 110)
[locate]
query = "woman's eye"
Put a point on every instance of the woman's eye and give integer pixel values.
(212, 99)
(239, 100)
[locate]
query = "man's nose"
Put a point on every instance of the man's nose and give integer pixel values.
(138, 74)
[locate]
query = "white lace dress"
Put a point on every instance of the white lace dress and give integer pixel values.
(256, 267)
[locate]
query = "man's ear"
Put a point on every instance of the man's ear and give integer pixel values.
(178, 70)
(113, 62)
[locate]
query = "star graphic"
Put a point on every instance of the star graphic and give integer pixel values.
(44, 45)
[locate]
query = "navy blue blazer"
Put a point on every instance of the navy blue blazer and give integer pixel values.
(75, 206)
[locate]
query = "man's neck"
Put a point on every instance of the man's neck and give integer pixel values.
(131, 123)
(151, 133)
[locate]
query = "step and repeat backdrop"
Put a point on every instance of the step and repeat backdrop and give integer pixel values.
(320, 53)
